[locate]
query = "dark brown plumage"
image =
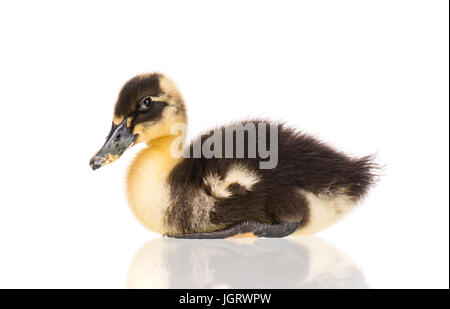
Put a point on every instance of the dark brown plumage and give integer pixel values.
(304, 162)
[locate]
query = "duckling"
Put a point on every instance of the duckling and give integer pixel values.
(207, 193)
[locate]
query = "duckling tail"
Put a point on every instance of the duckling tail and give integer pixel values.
(365, 174)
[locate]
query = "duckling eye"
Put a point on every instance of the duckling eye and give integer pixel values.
(145, 104)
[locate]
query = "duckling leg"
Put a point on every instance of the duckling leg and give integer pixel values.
(246, 229)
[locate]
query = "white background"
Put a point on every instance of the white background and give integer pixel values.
(365, 76)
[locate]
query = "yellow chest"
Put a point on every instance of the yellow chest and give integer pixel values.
(147, 189)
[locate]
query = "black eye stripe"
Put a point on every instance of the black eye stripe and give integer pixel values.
(154, 113)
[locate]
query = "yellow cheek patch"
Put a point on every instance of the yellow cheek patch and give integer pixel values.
(109, 158)
(140, 131)
(117, 120)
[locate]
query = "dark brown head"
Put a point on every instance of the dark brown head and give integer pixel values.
(147, 107)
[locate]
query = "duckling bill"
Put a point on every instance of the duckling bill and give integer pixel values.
(119, 139)
(310, 188)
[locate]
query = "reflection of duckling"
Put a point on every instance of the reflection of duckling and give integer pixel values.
(301, 262)
(201, 197)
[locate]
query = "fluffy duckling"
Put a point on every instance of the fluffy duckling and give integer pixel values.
(198, 192)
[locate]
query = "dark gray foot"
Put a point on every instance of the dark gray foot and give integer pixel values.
(246, 229)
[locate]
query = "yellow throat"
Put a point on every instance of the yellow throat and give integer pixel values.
(148, 192)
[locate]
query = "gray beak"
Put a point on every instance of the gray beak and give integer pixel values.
(118, 140)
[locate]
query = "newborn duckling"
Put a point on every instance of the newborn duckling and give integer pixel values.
(306, 188)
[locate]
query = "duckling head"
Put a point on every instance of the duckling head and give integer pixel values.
(147, 107)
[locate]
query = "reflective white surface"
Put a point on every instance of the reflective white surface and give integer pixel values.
(308, 262)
